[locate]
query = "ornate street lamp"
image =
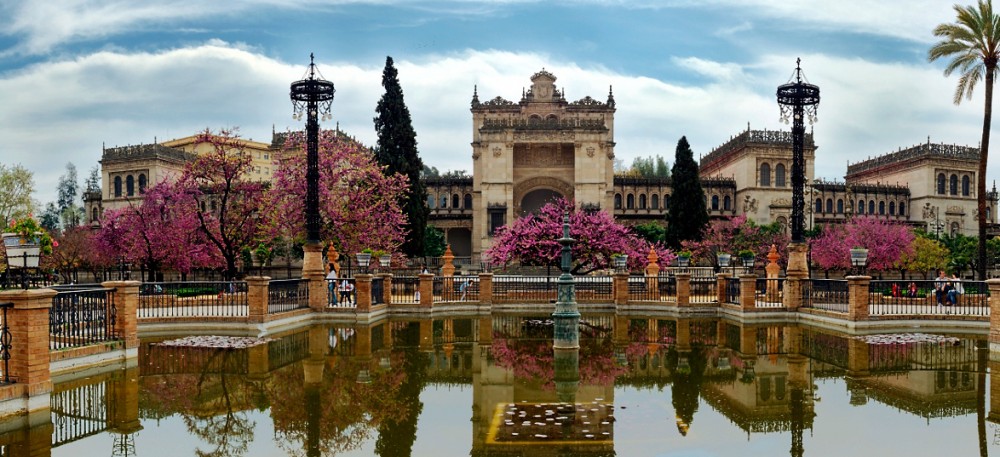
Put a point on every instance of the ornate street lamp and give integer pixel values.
(859, 259)
(566, 316)
(798, 100)
(314, 96)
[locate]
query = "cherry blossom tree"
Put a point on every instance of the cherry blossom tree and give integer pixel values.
(533, 240)
(358, 204)
(736, 234)
(228, 205)
(886, 243)
(159, 231)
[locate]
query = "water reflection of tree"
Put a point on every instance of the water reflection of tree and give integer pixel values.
(532, 360)
(688, 370)
(397, 434)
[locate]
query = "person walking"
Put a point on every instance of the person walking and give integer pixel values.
(331, 285)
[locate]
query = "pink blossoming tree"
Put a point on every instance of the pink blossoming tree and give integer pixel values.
(358, 204)
(736, 234)
(886, 243)
(533, 240)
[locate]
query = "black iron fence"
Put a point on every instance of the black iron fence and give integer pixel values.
(406, 289)
(193, 299)
(769, 292)
(825, 294)
(81, 318)
(704, 290)
(378, 290)
(594, 288)
(5, 342)
(341, 293)
(525, 289)
(285, 295)
(457, 288)
(969, 298)
(78, 412)
(733, 291)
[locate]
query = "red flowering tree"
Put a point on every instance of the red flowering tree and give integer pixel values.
(886, 243)
(159, 231)
(736, 234)
(228, 205)
(533, 240)
(358, 204)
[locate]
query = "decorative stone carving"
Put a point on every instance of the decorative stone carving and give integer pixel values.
(561, 135)
(781, 202)
(497, 151)
(590, 152)
(929, 212)
(499, 101)
(543, 156)
(749, 204)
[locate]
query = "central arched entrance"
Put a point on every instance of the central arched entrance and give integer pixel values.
(536, 199)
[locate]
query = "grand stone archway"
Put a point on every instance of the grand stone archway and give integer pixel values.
(531, 194)
(534, 201)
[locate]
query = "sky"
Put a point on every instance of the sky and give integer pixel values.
(79, 75)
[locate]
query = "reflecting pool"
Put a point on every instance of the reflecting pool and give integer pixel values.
(494, 386)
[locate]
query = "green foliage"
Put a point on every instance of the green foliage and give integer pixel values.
(68, 190)
(652, 232)
(687, 214)
(396, 151)
(50, 217)
(927, 255)
(434, 242)
(16, 186)
(648, 167)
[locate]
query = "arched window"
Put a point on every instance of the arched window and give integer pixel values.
(666, 201)
(871, 206)
(765, 175)
(727, 203)
(455, 199)
(431, 201)
(965, 186)
(819, 205)
(829, 205)
(779, 175)
(861, 206)
(881, 208)
(892, 208)
(715, 203)
(940, 186)
(444, 201)
(840, 205)
(902, 209)
(142, 183)
(630, 201)
(93, 215)
(618, 201)
(655, 201)
(118, 186)
(468, 201)
(129, 185)
(642, 201)
(953, 184)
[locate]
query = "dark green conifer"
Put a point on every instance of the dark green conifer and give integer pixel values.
(687, 213)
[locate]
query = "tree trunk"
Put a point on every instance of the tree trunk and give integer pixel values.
(984, 148)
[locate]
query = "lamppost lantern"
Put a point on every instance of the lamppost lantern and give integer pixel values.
(313, 96)
(798, 100)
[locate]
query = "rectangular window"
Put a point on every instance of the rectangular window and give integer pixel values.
(498, 218)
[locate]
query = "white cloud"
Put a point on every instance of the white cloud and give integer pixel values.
(63, 111)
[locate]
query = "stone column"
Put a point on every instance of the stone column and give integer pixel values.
(257, 297)
(748, 291)
(620, 288)
(386, 288)
(794, 277)
(126, 303)
(857, 297)
(313, 271)
(29, 331)
(994, 300)
(683, 289)
(427, 289)
(486, 289)
(363, 292)
(720, 287)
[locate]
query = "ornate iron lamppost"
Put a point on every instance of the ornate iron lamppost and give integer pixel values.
(567, 315)
(798, 100)
(314, 96)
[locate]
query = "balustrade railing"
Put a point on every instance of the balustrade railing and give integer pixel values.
(825, 294)
(287, 295)
(525, 289)
(594, 288)
(703, 290)
(81, 317)
(768, 292)
(967, 298)
(193, 299)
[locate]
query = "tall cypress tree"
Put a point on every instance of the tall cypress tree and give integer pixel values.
(686, 213)
(397, 152)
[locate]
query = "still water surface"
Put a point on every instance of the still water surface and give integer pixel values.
(494, 386)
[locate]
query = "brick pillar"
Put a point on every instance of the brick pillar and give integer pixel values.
(857, 297)
(748, 291)
(257, 297)
(29, 331)
(619, 287)
(426, 286)
(126, 303)
(792, 299)
(387, 288)
(363, 292)
(720, 287)
(314, 271)
(486, 289)
(994, 300)
(683, 289)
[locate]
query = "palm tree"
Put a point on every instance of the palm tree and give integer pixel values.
(972, 44)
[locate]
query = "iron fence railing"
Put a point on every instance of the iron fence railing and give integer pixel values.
(769, 292)
(968, 298)
(378, 290)
(285, 295)
(5, 342)
(406, 289)
(825, 294)
(594, 288)
(524, 289)
(733, 291)
(193, 299)
(82, 317)
(704, 290)
(341, 293)
(458, 288)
